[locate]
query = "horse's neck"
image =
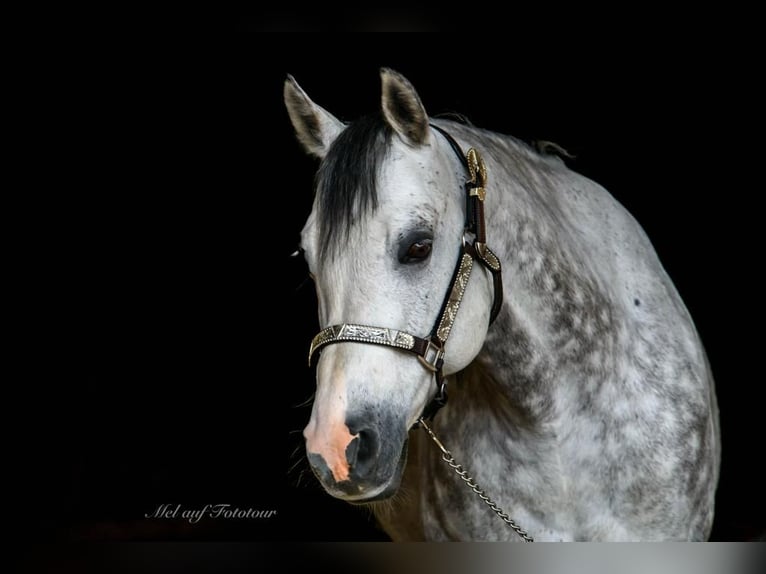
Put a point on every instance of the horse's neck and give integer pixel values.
(559, 313)
(479, 389)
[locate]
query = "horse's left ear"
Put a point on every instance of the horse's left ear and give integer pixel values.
(402, 108)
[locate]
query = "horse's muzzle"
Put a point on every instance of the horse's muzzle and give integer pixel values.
(374, 461)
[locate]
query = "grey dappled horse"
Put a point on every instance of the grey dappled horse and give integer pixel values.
(586, 409)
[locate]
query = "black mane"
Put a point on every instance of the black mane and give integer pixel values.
(346, 180)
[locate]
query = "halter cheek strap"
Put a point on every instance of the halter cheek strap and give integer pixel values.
(430, 350)
(476, 191)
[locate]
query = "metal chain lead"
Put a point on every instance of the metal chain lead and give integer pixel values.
(468, 479)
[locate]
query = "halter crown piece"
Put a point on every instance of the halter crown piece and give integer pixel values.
(430, 349)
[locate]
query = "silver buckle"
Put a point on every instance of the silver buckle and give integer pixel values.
(433, 355)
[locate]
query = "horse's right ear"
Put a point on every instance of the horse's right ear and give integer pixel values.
(315, 127)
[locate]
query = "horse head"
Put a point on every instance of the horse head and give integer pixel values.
(382, 243)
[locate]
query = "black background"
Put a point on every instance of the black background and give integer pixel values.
(176, 325)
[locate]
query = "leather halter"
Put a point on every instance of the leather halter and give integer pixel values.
(430, 349)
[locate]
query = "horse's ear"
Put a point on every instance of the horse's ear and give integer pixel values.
(315, 127)
(402, 108)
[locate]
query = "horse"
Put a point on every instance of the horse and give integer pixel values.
(581, 405)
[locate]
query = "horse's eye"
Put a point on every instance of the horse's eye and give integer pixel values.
(418, 251)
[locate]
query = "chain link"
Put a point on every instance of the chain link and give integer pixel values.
(468, 479)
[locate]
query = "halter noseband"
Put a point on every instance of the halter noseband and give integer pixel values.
(430, 350)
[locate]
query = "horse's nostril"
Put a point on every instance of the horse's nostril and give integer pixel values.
(368, 446)
(362, 453)
(352, 451)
